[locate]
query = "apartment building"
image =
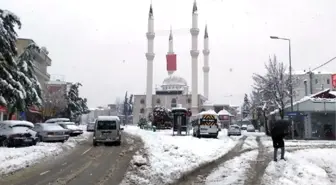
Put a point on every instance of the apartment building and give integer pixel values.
(311, 83)
(41, 63)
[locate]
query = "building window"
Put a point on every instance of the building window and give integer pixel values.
(142, 101)
(316, 81)
(158, 101)
(328, 81)
(173, 102)
(189, 100)
(142, 110)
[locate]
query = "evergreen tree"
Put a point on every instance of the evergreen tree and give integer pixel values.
(26, 75)
(12, 93)
(246, 107)
(76, 105)
(130, 105)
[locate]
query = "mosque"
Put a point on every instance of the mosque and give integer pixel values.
(174, 89)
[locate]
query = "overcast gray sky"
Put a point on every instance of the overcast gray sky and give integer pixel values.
(88, 40)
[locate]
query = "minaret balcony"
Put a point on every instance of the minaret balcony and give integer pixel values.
(206, 52)
(194, 53)
(150, 35)
(206, 69)
(150, 56)
(194, 31)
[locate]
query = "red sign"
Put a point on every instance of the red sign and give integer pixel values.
(224, 117)
(171, 62)
(333, 79)
(3, 109)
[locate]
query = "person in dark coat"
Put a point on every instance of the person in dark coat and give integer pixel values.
(278, 135)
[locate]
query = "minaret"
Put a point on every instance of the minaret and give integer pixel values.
(206, 67)
(194, 31)
(150, 58)
(171, 57)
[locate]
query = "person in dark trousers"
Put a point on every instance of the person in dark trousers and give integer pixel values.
(278, 135)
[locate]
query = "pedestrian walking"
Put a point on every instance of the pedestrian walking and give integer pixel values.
(279, 131)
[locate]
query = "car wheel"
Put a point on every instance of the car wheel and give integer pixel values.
(5, 143)
(40, 138)
(228, 135)
(118, 143)
(95, 143)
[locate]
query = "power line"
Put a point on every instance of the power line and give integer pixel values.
(323, 64)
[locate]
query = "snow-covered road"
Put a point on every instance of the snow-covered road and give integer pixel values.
(166, 159)
(13, 159)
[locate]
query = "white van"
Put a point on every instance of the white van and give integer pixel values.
(107, 130)
(206, 124)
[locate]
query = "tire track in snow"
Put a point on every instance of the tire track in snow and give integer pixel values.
(255, 173)
(198, 175)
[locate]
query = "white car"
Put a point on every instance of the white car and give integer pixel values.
(234, 130)
(250, 128)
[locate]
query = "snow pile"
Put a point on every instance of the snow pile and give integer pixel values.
(166, 158)
(250, 143)
(313, 166)
(267, 141)
(233, 171)
(13, 159)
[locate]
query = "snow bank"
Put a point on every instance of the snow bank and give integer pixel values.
(13, 159)
(233, 171)
(312, 166)
(166, 158)
(267, 141)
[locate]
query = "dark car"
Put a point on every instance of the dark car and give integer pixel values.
(15, 133)
(72, 128)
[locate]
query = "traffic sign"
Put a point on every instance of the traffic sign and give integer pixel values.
(293, 114)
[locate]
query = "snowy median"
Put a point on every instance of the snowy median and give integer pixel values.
(311, 166)
(13, 159)
(166, 158)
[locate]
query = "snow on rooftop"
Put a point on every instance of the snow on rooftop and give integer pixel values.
(212, 112)
(54, 120)
(108, 118)
(224, 112)
(303, 72)
(18, 122)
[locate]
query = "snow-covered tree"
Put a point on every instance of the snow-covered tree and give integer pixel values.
(274, 86)
(246, 107)
(160, 114)
(12, 93)
(76, 105)
(54, 102)
(26, 75)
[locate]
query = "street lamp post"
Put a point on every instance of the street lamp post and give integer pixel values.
(290, 76)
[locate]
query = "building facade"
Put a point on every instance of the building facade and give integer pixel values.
(41, 63)
(311, 83)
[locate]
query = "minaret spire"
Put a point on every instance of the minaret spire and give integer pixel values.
(194, 52)
(194, 7)
(150, 58)
(171, 57)
(206, 67)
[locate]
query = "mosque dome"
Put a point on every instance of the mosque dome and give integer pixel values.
(174, 81)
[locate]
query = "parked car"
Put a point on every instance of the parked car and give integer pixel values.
(243, 127)
(234, 130)
(51, 132)
(17, 133)
(90, 126)
(250, 128)
(73, 129)
(57, 120)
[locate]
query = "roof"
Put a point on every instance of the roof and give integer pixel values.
(66, 123)
(17, 122)
(108, 118)
(212, 112)
(224, 112)
(303, 72)
(53, 120)
(174, 80)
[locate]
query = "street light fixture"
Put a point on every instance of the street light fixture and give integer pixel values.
(290, 77)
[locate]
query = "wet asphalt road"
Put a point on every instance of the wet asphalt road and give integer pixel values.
(85, 165)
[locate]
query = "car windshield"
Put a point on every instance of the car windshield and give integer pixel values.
(234, 127)
(51, 127)
(71, 126)
(107, 125)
